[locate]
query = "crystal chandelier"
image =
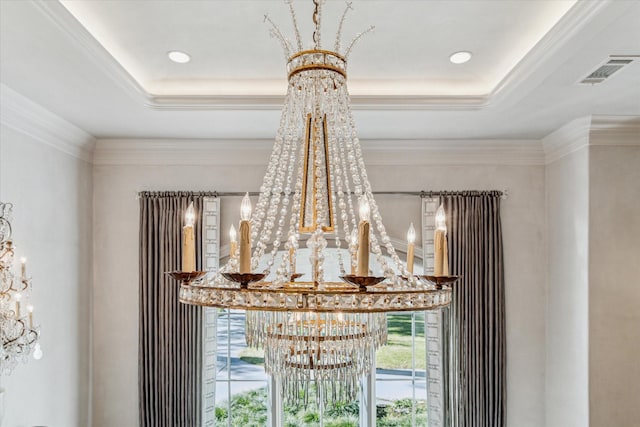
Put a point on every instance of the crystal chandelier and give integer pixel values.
(322, 329)
(18, 335)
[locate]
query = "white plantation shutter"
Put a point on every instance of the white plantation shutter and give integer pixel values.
(434, 341)
(210, 261)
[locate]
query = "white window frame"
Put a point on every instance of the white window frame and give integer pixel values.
(436, 402)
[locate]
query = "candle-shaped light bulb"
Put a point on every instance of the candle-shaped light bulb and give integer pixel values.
(354, 250)
(233, 241)
(30, 310)
(189, 240)
(245, 236)
(245, 208)
(441, 223)
(363, 238)
(18, 297)
(23, 267)
(364, 209)
(411, 234)
(411, 239)
(190, 216)
(441, 251)
(233, 235)
(292, 253)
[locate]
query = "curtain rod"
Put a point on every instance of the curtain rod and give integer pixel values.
(422, 194)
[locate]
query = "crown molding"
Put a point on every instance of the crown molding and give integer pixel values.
(453, 152)
(275, 102)
(522, 77)
(182, 152)
(591, 131)
(25, 116)
(568, 26)
(615, 130)
(65, 21)
(376, 152)
(567, 139)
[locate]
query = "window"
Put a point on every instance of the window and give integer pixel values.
(406, 379)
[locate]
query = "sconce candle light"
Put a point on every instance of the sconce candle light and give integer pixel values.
(18, 334)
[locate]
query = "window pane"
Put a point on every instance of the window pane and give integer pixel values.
(342, 414)
(247, 407)
(400, 375)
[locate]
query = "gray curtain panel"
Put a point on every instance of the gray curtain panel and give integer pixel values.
(169, 351)
(477, 364)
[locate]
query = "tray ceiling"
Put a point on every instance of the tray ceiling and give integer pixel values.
(102, 65)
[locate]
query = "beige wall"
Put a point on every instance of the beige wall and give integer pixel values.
(572, 346)
(568, 295)
(614, 286)
(51, 193)
(593, 314)
(116, 264)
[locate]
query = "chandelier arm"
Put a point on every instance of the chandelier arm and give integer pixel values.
(292, 12)
(317, 17)
(17, 335)
(25, 285)
(338, 43)
(275, 32)
(357, 39)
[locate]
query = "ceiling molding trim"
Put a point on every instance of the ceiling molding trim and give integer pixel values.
(615, 130)
(64, 20)
(562, 32)
(275, 102)
(376, 152)
(182, 152)
(567, 139)
(453, 152)
(25, 116)
(570, 24)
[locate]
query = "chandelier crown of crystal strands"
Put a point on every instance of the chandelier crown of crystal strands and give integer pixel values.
(18, 335)
(324, 329)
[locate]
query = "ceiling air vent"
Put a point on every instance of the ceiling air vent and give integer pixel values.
(605, 71)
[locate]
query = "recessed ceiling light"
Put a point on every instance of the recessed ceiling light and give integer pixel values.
(178, 56)
(460, 57)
